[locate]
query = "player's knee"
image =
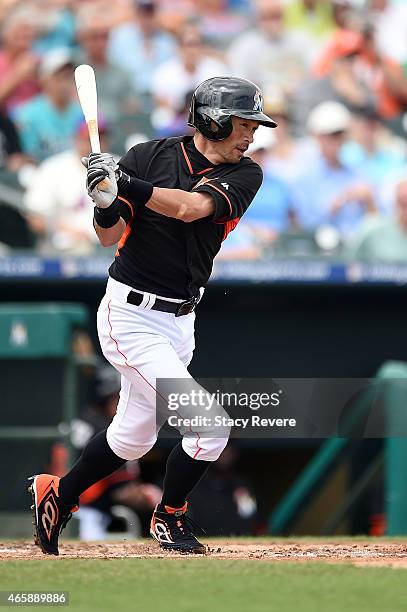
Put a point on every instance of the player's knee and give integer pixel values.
(205, 449)
(127, 448)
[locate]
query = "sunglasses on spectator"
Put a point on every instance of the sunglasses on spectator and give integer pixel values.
(98, 34)
(271, 16)
(337, 134)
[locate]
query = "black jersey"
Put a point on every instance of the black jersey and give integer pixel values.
(166, 256)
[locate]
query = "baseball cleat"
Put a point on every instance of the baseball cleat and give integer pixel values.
(172, 530)
(49, 513)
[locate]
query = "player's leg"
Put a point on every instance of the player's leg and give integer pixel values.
(201, 445)
(189, 460)
(55, 498)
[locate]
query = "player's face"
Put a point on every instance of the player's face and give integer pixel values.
(234, 147)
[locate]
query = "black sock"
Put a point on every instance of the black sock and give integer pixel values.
(181, 476)
(96, 462)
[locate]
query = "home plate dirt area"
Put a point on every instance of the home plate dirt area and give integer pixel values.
(369, 552)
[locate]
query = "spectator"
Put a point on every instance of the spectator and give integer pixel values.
(269, 213)
(47, 122)
(173, 80)
(386, 79)
(341, 82)
(285, 156)
(373, 150)
(313, 17)
(385, 238)
(220, 24)
(390, 21)
(345, 14)
(343, 43)
(116, 95)
(58, 207)
(329, 192)
(12, 157)
(380, 74)
(267, 216)
(270, 55)
(7, 7)
(14, 230)
(56, 25)
(141, 46)
(173, 124)
(18, 64)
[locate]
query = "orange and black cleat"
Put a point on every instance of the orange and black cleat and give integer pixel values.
(173, 530)
(50, 514)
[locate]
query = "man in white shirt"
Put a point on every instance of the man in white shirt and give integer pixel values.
(58, 208)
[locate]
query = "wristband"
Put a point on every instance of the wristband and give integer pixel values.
(107, 217)
(134, 188)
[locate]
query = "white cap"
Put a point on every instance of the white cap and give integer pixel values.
(55, 60)
(263, 139)
(328, 118)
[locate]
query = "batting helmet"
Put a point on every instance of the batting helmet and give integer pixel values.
(216, 100)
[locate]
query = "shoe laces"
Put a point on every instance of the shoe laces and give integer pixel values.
(66, 518)
(188, 526)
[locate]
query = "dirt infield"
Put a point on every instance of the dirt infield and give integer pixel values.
(360, 552)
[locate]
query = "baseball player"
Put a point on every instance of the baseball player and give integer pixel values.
(168, 206)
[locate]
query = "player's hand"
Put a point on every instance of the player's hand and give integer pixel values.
(101, 185)
(99, 158)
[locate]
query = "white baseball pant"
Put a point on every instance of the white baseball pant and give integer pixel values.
(143, 345)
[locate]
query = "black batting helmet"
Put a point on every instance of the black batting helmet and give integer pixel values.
(216, 100)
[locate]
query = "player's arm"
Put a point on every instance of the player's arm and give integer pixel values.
(175, 203)
(108, 236)
(180, 204)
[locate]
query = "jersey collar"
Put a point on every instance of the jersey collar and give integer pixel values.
(195, 161)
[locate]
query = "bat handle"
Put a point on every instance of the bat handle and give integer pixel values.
(95, 143)
(94, 136)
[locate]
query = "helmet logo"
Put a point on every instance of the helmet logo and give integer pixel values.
(258, 101)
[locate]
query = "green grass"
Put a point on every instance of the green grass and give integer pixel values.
(210, 585)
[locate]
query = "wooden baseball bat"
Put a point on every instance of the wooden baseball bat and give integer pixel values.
(87, 94)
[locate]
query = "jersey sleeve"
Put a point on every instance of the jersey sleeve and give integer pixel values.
(233, 192)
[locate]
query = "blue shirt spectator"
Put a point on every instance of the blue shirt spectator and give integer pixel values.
(45, 129)
(57, 30)
(48, 122)
(317, 191)
(271, 205)
(374, 166)
(267, 216)
(329, 192)
(140, 46)
(373, 151)
(270, 209)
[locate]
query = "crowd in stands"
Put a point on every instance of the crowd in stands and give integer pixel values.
(334, 77)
